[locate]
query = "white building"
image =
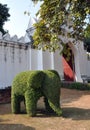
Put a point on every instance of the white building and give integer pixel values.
(16, 55)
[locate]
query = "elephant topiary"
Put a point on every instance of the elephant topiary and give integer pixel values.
(31, 85)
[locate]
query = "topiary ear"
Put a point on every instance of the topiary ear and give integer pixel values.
(36, 79)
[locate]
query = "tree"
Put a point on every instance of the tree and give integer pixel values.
(4, 15)
(87, 38)
(65, 18)
(87, 31)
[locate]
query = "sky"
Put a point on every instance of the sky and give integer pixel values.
(18, 21)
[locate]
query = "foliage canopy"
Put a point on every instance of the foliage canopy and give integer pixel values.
(4, 15)
(87, 31)
(87, 38)
(67, 18)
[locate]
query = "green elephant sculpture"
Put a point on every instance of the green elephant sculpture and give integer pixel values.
(31, 85)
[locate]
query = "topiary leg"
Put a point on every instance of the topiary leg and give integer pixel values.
(31, 102)
(48, 108)
(54, 102)
(15, 103)
(56, 107)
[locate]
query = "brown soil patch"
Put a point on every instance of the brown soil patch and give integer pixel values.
(76, 114)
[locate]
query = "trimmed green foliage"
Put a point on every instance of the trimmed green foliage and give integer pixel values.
(76, 85)
(51, 89)
(31, 85)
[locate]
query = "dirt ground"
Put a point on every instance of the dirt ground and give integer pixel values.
(76, 114)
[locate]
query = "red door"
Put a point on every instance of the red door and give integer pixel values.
(68, 66)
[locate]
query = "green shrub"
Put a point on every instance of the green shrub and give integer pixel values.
(31, 85)
(51, 88)
(76, 85)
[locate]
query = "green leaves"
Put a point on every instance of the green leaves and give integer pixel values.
(87, 31)
(4, 15)
(55, 17)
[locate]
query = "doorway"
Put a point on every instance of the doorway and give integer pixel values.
(68, 65)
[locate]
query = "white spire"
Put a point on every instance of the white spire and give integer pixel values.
(31, 22)
(30, 29)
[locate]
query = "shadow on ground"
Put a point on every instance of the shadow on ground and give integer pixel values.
(76, 113)
(15, 127)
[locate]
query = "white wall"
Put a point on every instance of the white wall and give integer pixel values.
(15, 58)
(47, 60)
(82, 65)
(76, 62)
(12, 61)
(43, 60)
(82, 59)
(88, 68)
(58, 65)
(35, 59)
